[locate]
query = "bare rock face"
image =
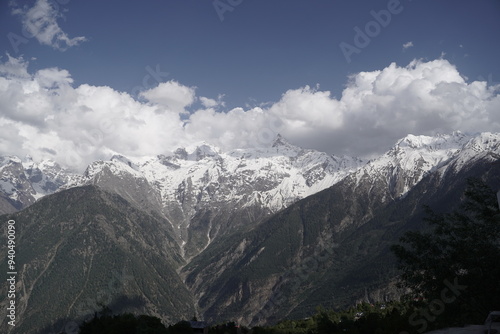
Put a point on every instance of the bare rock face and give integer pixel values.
(332, 248)
(205, 193)
(250, 235)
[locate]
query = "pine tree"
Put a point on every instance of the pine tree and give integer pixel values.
(455, 267)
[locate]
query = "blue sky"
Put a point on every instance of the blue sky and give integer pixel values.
(261, 48)
(248, 53)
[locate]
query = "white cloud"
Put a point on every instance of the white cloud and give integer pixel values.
(14, 68)
(407, 45)
(40, 22)
(306, 108)
(45, 116)
(211, 103)
(207, 102)
(43, 113)
(171, 95)
(53, 78)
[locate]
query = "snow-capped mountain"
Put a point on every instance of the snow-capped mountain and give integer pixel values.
(205, 192)
(205, 189)
(356, 220)
(273, 177)
(412, 157)
(22, 182)
(485, 145)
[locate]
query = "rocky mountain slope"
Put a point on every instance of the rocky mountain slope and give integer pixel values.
(83, 248)
(410, 159)
(202, 191)
(22, 182)
(247, 235)
(332, 248)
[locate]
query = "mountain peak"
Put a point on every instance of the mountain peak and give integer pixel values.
(280, 141)
(9, 159)
(197, 152)
(440, 141)
(124, 160)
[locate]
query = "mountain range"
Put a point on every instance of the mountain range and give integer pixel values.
(198, 189)
(251, 235)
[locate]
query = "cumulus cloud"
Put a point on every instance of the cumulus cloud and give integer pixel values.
(421, 98)
(40, 22)
(171, 95)
(45, 116)
(211, 103)
(208, 102)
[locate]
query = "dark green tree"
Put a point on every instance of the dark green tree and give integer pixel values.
(325, 325)
(147, 324)
(454, 267)
(182, 327)
(123, 324)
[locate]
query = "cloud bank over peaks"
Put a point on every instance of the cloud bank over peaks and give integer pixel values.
(44, 115)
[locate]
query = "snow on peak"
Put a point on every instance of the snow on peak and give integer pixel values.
(485, 141)
(440, 141)
(5, 160)
(197, 151)
(280, 141)
(413, 157)
(25, 180)
(274, 176)
(481, 145)
(124, 160)
(202, 174)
